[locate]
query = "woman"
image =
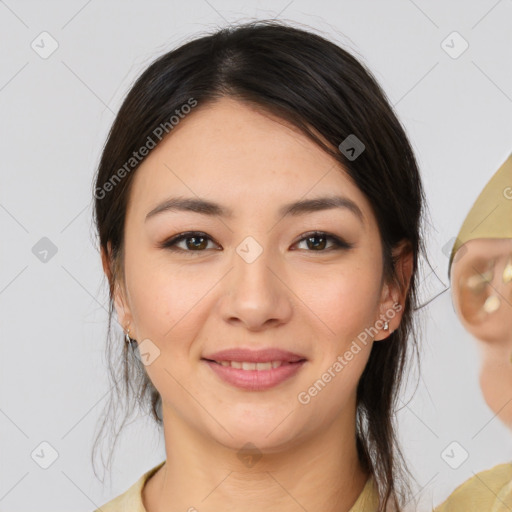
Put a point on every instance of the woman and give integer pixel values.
(480, 271)
(259, 209)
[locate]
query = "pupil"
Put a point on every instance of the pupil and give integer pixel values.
(317, 237)
(193, 243)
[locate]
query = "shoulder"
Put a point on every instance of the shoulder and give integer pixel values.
(131, 499)
(489, 490)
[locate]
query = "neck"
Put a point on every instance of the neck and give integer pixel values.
(320, 472)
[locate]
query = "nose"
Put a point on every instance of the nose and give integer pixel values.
(256, 293)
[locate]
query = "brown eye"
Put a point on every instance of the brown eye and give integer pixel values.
(317, 242)
(194, 241)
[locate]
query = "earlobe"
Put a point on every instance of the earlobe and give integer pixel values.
(389, 320)
(395, 293)
(123, 311)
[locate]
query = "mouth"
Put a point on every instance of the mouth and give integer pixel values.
(268, 355)
(250, 365)
(254, 376)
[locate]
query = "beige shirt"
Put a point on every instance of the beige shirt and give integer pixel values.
(131, 500)
(487, 491)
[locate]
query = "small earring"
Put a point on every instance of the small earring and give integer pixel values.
(127, 337)
(386, 325)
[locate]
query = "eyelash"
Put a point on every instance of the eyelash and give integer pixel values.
(170, 244)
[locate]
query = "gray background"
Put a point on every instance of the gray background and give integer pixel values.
(55, 113)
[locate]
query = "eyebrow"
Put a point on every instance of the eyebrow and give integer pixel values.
(205, 207)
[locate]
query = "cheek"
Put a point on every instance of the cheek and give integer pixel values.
(161, 301)
(168, 307)
(345, 300)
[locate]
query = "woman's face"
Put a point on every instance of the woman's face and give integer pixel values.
(250, 279)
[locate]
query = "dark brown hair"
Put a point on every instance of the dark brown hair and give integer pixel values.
(328, 94)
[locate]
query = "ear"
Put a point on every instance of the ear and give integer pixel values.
(394, 293)
(123, 312)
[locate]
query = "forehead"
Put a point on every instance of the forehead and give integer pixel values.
(242, 157)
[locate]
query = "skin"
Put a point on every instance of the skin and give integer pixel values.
(292, 296)
(487, 257)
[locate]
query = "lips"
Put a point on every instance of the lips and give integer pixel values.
(255, 356)
(255, 370)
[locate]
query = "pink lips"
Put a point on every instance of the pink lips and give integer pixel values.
(255, 380)
(255, 356)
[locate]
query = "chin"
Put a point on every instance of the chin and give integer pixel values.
(269, 437)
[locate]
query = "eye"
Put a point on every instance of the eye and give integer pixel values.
(318, 240)
(197, 241)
